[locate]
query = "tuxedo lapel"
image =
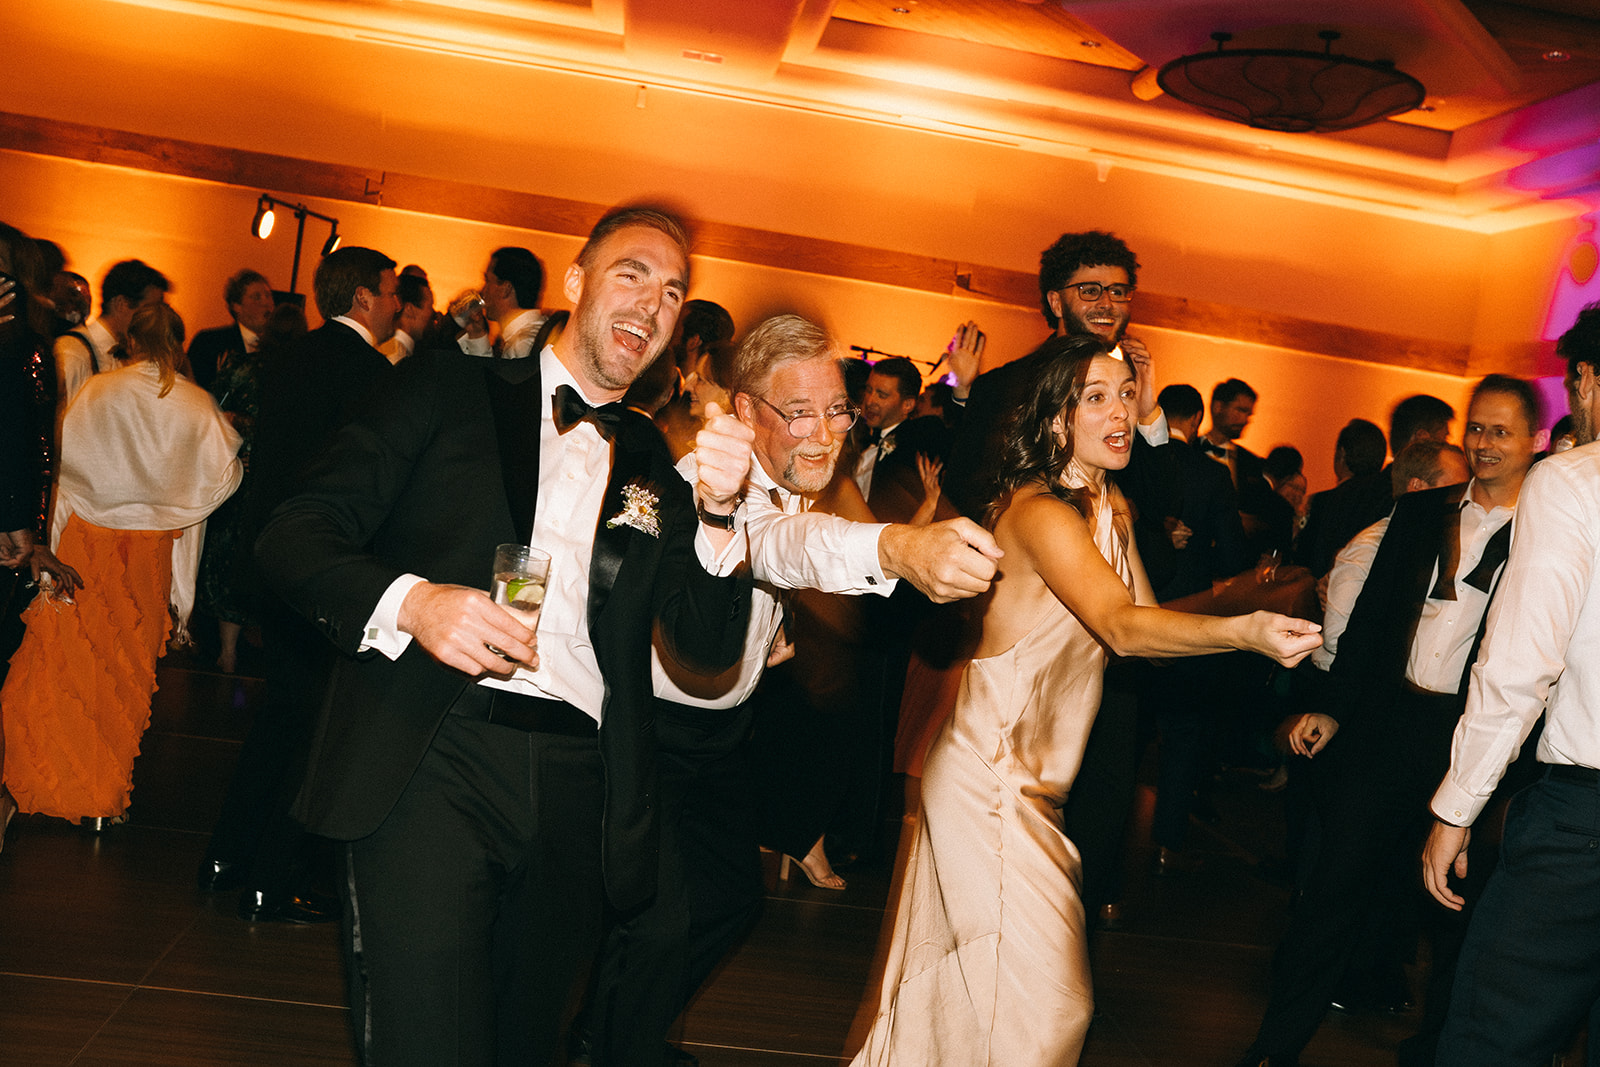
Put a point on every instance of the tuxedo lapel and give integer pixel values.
(517, 407)
(630, 463)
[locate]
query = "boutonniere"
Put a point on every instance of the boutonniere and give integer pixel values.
(885, 445)
(638, 510)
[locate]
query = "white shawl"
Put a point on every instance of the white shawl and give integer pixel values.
(134, 460)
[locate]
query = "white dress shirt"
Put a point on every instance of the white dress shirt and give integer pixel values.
(74, 365)
(252, 340)
(516, 340)
(574, 468)
(790, 548)
(1447, 628)
(868, 462)
(1541, 654)
(1345, 582)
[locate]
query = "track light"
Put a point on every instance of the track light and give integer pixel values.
(261, 225)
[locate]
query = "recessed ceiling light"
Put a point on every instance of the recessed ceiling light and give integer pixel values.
(1556, 55)
(902, 11)
(1090, 44)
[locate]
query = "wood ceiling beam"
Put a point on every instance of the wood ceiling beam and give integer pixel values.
(523, 210)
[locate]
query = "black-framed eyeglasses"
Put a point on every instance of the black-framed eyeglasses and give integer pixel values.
(1089, 292)
(805, 424)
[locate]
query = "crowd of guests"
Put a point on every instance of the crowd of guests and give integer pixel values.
(775, 578)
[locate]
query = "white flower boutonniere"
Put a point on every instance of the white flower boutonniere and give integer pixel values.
(885, 446)
(638, 510)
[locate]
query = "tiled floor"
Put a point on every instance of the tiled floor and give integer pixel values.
(108, 955)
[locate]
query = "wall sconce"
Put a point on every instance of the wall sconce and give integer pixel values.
(261, 226)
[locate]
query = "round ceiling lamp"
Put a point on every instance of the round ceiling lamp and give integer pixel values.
(1289, 90)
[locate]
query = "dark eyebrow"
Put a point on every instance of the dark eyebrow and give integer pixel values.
(644, 268)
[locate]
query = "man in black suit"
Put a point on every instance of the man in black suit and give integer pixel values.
(249, 299)
(1338, 514)
(306, 394)
(887, 469)
(1392, 698)
(495, 789)
(1086, 285)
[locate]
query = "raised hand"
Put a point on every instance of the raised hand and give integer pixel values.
(965, 354)
(722, 454)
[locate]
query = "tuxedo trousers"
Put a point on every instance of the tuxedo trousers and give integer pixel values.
(1371, 786)
(708, 894)
(472, 911)
(1529, 972)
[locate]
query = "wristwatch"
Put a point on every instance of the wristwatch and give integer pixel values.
(716, 522)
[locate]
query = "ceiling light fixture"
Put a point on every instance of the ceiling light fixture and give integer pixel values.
(1288, 90)
(261, 226)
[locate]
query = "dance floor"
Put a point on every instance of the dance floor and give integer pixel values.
(109, 956)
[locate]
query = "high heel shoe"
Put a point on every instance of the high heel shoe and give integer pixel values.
(8, 811)
(820, 883)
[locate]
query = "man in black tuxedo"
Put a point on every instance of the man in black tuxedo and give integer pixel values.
(496, 789)
(249, 299)
(887, 469)
(1268, 518)
(306, 394)
(1392, 698)
(1338, 514)
(1086, 285)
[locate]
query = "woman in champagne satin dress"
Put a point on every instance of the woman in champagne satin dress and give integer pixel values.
(988, 964)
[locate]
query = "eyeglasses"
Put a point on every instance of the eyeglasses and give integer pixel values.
(1089, 292)
(805, 424)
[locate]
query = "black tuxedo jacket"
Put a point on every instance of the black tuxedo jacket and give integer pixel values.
(306, 394)
(896, 484)
(1371, 665)
(1186, 485)
(207, 349)
(435, 471)
(1338, 514)
(972, 469)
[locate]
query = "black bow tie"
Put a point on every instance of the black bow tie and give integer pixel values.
(873, 437)
(1220, 451)
(571, 409)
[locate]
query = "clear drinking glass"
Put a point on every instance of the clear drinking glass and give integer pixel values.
(520, 574)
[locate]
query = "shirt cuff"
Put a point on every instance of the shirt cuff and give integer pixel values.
(721, 564)
(475, 346)
(1156, 432)
(861, 554)
(382, 632)
(1455, 805)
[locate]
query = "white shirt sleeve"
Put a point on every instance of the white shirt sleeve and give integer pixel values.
(1544, 596)
(475, 346)
(1156, 433)
(382, 632)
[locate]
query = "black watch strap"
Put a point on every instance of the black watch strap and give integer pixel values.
(719, 522)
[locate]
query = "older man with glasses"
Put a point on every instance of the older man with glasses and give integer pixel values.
(789, 394)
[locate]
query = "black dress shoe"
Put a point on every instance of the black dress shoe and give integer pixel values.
(258, 907)
(216, 876)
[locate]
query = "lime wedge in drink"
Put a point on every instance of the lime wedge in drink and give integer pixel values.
(525, 592)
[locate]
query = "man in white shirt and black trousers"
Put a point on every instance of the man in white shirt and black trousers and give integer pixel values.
(789, 391)
(1529, 972)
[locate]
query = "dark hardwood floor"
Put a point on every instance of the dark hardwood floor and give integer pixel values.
(109, 956)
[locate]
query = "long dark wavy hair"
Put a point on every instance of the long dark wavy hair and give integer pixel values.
(1030, 452)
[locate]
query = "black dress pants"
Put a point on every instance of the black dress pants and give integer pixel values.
(471, 912)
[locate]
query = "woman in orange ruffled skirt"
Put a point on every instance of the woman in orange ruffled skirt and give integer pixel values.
(145, 457)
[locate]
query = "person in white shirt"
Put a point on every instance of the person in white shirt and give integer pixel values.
(1530, 968)
(1379, 736)
(512, 284)
(127, 287)
(789, 389)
